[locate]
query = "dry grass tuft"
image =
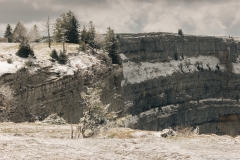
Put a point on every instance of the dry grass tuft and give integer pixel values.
(121, 133)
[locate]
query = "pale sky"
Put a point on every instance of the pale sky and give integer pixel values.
(197, 17)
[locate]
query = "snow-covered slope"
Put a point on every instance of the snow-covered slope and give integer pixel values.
(42, 52)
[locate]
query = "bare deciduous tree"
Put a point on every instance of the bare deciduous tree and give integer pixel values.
(47, 25)
(63, 40)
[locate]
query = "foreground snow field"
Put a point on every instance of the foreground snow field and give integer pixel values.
(38, 141)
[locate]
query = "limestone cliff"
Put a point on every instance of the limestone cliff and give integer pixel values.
(164, 73)
(165, 80)
(29, 93)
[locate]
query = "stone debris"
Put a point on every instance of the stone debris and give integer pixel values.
(168, 133)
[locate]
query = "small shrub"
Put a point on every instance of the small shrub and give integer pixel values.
(118, 36)
(199, 66)
(23, 70)
(209, 68)
(181, 67)
(115, 58)
(104, 56)
(182, 56)
(218, 67)
(175, 56)
(187, 63)
(180, 32)
(28, 63)
(9, 61)
(82, 47)
(24, 51)
(62, 58)
(58, 73)
(54, 119)
(54, 54)
(117, 72)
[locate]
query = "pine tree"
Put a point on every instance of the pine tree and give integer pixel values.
(91, 34)
(73, 28)
(99, 40)
(20, 33)
(84, 35)
(57, 30)
(8, 33)
(70, 24)
(111, 45)
(34, 34)
(25, 50)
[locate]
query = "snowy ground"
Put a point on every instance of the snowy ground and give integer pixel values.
(37, 141)
(77, 60)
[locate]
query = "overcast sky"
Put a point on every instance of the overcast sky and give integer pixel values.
(198, 17)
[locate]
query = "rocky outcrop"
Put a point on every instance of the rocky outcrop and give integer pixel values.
(210, 115)
(162, 70)
(35, 96)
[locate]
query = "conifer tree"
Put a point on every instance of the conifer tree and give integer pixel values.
(99, 41)
(91, 34)
(73, 28)
(20, 33)
(69, 23)
(111, 45)
(57, 30)
(83, 35)
(34, 34)
(8, 33)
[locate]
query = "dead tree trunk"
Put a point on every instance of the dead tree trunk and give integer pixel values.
(48, 30)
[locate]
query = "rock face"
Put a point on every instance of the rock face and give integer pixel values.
(166, 76)
(35, 96)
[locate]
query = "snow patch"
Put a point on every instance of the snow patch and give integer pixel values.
(139, 72)
(81, 61)
(236, 68)
(9, 68)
